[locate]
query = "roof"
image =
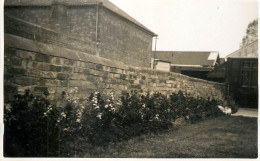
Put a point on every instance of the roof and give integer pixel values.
(248, 51)
(222, 60)
(105, 3)
(188, 58)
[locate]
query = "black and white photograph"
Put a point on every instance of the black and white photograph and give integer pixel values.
(149, 79)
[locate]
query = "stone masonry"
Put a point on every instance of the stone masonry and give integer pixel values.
(43, 67)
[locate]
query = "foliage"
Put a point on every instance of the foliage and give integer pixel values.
(251, 33)
(82, 124)
(231, 103)
(28, 130)
(102, 122)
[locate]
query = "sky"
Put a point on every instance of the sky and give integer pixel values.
(194, 25)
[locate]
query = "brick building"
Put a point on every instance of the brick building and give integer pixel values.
(97, 27)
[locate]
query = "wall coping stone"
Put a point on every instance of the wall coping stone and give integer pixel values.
(49, 49)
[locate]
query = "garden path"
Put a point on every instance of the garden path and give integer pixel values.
(247, 112)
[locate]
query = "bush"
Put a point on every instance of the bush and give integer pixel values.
(230, 102)
(28, 129)
(193, 109)
(95, 121)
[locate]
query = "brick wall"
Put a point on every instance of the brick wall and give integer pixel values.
(118, 38)
(40, 67)
(35, 32)
(123, 41)
(81, 22)
(40, 15)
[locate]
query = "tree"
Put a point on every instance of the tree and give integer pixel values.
(251, 33)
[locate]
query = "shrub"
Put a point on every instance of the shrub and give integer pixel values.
(230, 102)
(95, 121)
(28, 129)
(192, 109)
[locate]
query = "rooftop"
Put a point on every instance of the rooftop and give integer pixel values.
(190, 58)
(248, 51)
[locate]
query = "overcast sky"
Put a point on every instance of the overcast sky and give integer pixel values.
(194, 25)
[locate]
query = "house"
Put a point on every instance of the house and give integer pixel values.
(108, 31)
(191, 63)
(242, 74)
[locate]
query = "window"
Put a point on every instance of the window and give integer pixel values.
(249, 73)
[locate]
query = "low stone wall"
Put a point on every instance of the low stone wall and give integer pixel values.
(43, 67)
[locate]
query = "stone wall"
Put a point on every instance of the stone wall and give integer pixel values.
(41, 67)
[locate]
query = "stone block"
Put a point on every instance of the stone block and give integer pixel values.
(69, 62)
(25, 54)
(173, 79)
(169, 81)
(52, 90)
(105, 75)
(15, 71)
(10, 52)
(131, 81)
(99, 67)
(25, 81)
(42, 66)
(41, 82)
(58, 61)
(55, 68)
(61, 76)
(67, 69)
(116, 76)
(52, 82)
(76, 76)
(136, 81)
(86, 71)
(90, 78)
(162, 81)
(14, 61)
(64, 83)
(42, 58)
(122, 76)
(40, 89)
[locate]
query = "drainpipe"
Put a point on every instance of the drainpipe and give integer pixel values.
(97, 43)
(154, 51)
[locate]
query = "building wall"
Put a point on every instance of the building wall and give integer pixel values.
(40, 67)
(32, 14)
(37, 33)
(243, 80)
(123, 41)
(81, 22)
(163, 66)
(118, 38)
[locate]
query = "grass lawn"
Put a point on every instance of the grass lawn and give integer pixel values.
(221, 137)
